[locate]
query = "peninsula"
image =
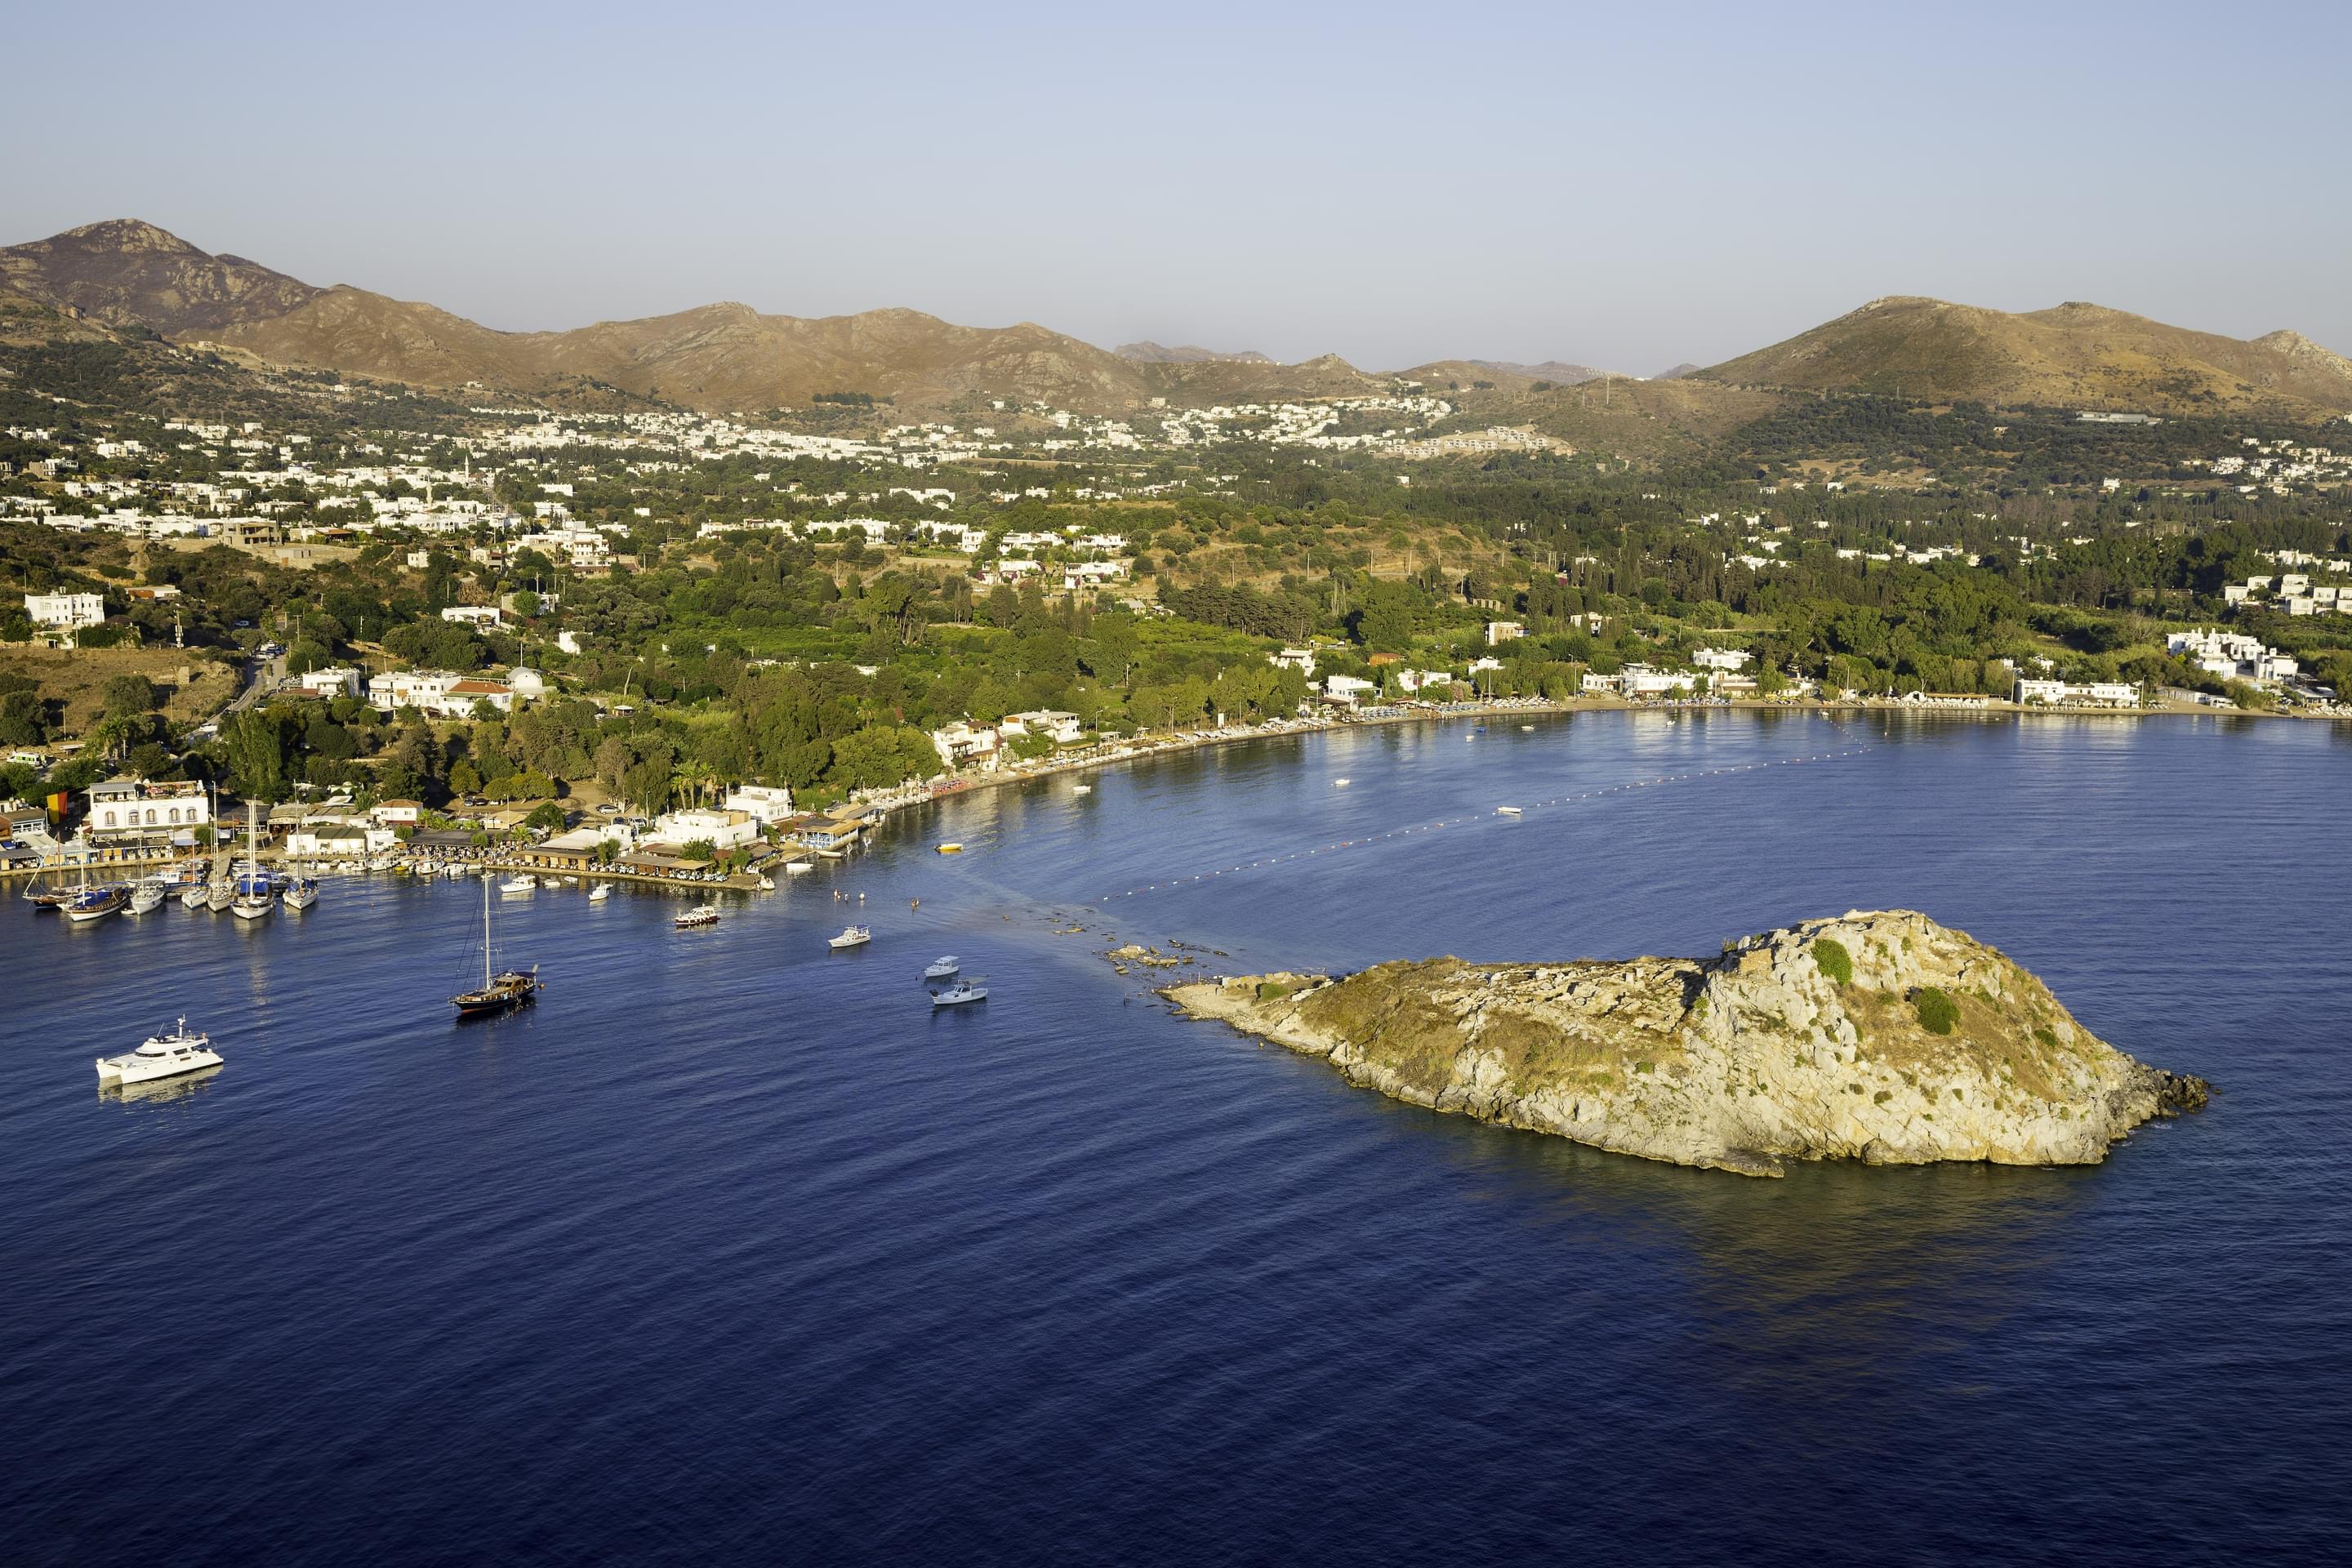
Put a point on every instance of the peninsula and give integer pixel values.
(1880, 1037)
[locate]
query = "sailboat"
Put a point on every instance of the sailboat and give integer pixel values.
(253, 900)
(89, 903)
(505, 989)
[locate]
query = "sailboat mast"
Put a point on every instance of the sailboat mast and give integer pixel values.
(485, 933)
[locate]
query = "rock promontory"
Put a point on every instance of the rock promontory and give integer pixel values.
(1880, 1037)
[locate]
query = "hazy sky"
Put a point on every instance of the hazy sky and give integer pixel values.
(1626, 185)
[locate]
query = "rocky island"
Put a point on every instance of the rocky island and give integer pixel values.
(1879, 1036)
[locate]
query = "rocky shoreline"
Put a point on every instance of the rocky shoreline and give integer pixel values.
(1879, 1036)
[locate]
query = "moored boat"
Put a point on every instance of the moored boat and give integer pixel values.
(851, 936)
(942, 968)
(301, 893)
(700, 915)
(96, 903)
(519, 885)
(145, 897)
(500, 992)
(962, 992)
(951, 848)
(252, 901)
(599, 893)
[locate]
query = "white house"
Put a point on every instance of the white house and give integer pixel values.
(121, 808)
(438, 691)
(397, 813)
(1347, 688)
(1640, 680)
(725, 829)
(961, 743)
(66, 612)
(474, 614)
(1061, 729)
(1301, 659)
(764, 803)
(1724, 659)
(1499, 632)
(340, 680)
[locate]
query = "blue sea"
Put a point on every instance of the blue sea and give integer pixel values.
(732, 1250)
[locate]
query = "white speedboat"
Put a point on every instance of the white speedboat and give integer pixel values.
(961, 991)
(1338, 784)
(599, 893)
(800, 867)
(851, 936)
(300, 894)
(1081, 789)
(519, 885)
(163, 1056)
(145, 897)
(942, 968)
(700, 915)
(1507, 811)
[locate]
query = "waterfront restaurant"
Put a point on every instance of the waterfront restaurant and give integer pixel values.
(157, 811)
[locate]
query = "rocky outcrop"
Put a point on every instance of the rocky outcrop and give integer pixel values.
(1879, 1036)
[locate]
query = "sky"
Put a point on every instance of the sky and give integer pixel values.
(1628, 185)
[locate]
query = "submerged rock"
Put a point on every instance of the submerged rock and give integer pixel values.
(1879, 1036)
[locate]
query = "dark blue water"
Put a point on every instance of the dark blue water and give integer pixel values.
(731, 1251)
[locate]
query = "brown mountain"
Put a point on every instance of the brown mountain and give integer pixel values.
(1148, 352)
(2071, 355)
(1559, 372)
(128, 273)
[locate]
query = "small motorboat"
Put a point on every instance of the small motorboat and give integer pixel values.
(961, 991)
(1507, 811)
(942, 968)
(1340, 784)
(1083, 789)
(599, 893)
(951, 848)
(700, 915)
(1527, 729)
(799, 867)
(161, 1056)
(551, 881)
(519, 885)
(851, 936)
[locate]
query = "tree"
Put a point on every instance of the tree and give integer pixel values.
(547, 815)
(127, 694)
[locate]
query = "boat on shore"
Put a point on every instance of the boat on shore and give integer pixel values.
(698, 916)
(851, 936)
(500, 992)
(159, 1057)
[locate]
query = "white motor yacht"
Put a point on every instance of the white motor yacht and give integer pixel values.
(959, 993)
(942, 968)
(851, 936)
(163, 1056)
(519, 885)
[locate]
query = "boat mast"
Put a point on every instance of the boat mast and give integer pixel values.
(486, 934)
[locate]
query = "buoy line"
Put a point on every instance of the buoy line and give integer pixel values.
(1269, 861)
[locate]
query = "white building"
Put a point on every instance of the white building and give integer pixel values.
(2058, 693)
(1298, 658)
(1724, 659)
(961, 742)
(764, 803)
(724, 829)
(340, 680)
(474, 614)
(122, 808)
(1061, 729)
(437, 692)
(1499, 632)
(1347, 688)
(66, 612)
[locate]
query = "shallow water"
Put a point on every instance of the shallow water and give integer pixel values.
(731, 1249)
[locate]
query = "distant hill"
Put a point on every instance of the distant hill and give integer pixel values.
(1185, 353)
(2071, 355)
(1680, 370)
(126, 273)
(1559, 372)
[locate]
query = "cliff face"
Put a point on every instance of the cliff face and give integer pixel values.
(1882, 1037)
